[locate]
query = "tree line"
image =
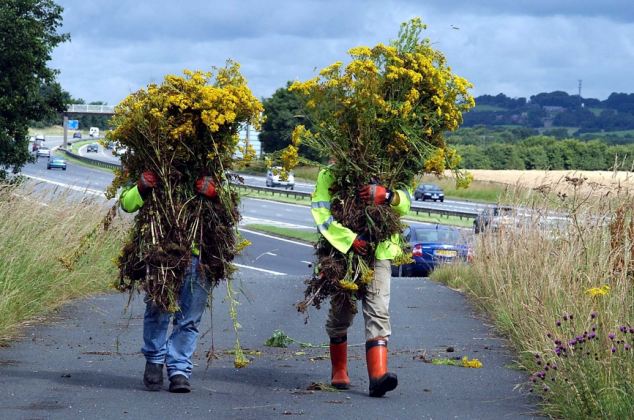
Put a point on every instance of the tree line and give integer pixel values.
(555, 109)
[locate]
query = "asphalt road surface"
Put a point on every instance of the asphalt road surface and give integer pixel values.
(85, 362)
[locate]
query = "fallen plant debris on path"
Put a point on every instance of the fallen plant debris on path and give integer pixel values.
(280, 339)
(464, 362)
(320, 386)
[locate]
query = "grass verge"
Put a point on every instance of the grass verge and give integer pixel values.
(38, 229)
(309, 236)
(565, 299)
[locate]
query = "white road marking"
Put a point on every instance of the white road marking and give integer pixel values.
(70, 187)
(248, 220)
(283, 204)
(276, 238)
(275, 273)
(270, 253)
(306, 262)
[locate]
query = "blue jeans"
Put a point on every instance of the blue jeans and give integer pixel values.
(176, 351)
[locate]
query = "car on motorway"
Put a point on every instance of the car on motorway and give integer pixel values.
(43, 151)
(77, 135)
(56, 163)
(273, 178)
(432, 245)
(495, 218)
(92, 148)
(429, 192)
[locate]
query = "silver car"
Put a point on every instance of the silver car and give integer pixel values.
(44, 151)
(273, 178)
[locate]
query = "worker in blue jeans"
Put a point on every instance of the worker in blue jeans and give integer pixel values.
(176, 350)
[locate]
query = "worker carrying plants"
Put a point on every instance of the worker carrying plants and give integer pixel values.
(382, 117)
(181, 139)
(176, 350)
(376, 296)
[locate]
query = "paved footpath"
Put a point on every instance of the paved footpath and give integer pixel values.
(85, 363)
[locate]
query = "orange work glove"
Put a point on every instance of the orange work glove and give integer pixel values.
(146, 182)
(205, 186)
(375, 194)
(359, 246)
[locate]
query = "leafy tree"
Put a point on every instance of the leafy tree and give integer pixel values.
(504, 156)
(283, 111)
(28, 90)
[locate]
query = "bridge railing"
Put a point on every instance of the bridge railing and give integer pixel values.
(90, 109)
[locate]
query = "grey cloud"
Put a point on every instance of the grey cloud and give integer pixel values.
(618, 10)
(512, 47)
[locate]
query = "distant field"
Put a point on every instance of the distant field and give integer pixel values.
(615, 133)
(483, 108)
(535, 178)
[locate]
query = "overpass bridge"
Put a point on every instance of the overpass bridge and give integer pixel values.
(80, 109)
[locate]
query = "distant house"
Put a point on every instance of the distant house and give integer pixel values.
(553, 109)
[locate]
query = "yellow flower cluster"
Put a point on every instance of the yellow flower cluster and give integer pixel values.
(598, 291)
(348, 285)
(399, 98)
(199, 112)
(473, 363)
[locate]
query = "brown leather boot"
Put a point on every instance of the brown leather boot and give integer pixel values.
(339, 361)
(381, 381)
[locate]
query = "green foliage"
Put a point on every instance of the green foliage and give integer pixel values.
(283, 111)
(28, 90)
(522, 148)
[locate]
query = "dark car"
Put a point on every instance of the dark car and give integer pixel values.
(56, 163)
(433, 245)
(92, 148)
(493, 217)
(77, 135)
(429, 192)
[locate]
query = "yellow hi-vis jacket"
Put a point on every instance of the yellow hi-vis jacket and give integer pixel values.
(340, 236)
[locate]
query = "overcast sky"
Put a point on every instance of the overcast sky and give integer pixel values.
(517, 47)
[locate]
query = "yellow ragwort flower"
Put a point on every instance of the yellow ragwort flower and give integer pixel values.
(598, 291)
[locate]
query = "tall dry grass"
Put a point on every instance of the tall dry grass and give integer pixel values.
(560, 285)
(38, 227)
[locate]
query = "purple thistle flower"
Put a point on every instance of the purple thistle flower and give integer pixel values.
(613, 349)
(627, 346)
(558, 323)
(558, 342)
(592, 335)
(623, 329)
(572, 342)
(611, 336)
(549, 335)
(594, 328)
(593, 315)
(631, 330)
(570, 317)
(554, 366)
(558, 351)
(565, 317)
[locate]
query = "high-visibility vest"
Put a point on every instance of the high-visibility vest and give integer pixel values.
(339, 236)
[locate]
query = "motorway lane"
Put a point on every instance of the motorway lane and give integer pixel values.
(260, 181)
(278, 256)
